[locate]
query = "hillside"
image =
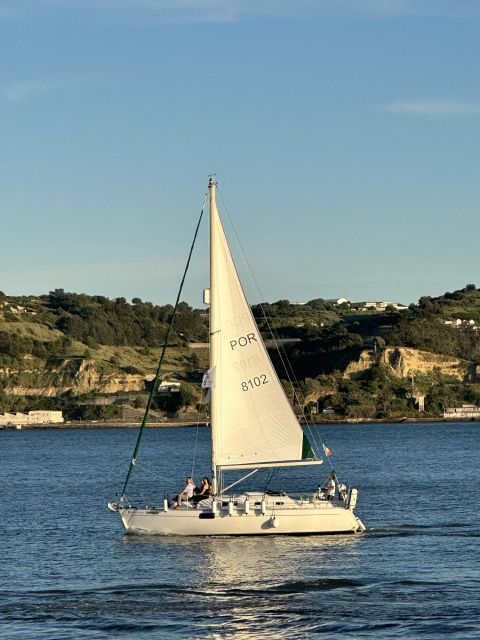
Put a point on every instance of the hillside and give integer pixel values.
(70, 351)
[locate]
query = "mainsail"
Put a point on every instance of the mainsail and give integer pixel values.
(252, 420)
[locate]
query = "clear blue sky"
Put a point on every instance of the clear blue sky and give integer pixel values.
(344, 135)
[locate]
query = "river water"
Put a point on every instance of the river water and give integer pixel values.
(69, 572)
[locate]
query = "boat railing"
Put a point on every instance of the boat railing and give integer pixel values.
(271, 501)
(256, 500)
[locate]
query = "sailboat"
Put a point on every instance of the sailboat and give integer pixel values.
(253, 426)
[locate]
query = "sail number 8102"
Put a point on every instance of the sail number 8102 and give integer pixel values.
(257, 381)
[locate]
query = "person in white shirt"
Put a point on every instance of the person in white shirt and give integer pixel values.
(330, 487)
(187, 493)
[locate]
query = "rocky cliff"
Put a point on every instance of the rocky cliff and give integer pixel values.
(77, 375)
(404, 363)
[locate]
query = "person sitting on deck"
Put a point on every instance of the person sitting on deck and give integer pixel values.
(187, 493)
(203, 491)
(342, 492)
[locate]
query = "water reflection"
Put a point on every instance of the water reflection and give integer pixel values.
(247, 560)
(256, 586)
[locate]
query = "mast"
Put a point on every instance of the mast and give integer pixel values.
(213, 330)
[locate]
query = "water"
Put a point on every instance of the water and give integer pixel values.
(69, 572)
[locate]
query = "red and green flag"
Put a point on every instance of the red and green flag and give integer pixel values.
(328, 452)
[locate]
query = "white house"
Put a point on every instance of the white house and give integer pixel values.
(378, 305)
(457, 324)
(32, 417)
(338, 301)
(169, 386)
(465, 411)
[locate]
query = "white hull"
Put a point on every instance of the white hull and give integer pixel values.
(291, 517)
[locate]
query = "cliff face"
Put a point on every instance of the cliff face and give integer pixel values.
(77, 375)
(81, 376)
(405, 362)
(357, 368)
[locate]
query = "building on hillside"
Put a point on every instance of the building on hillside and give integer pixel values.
(465, 411)
(169, 386)
(457, 323)
(377, 305)
(32, 417)
(337, 301)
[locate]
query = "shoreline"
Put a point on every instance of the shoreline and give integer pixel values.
(94, 424)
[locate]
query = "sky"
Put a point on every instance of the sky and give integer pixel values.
(344, 136)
